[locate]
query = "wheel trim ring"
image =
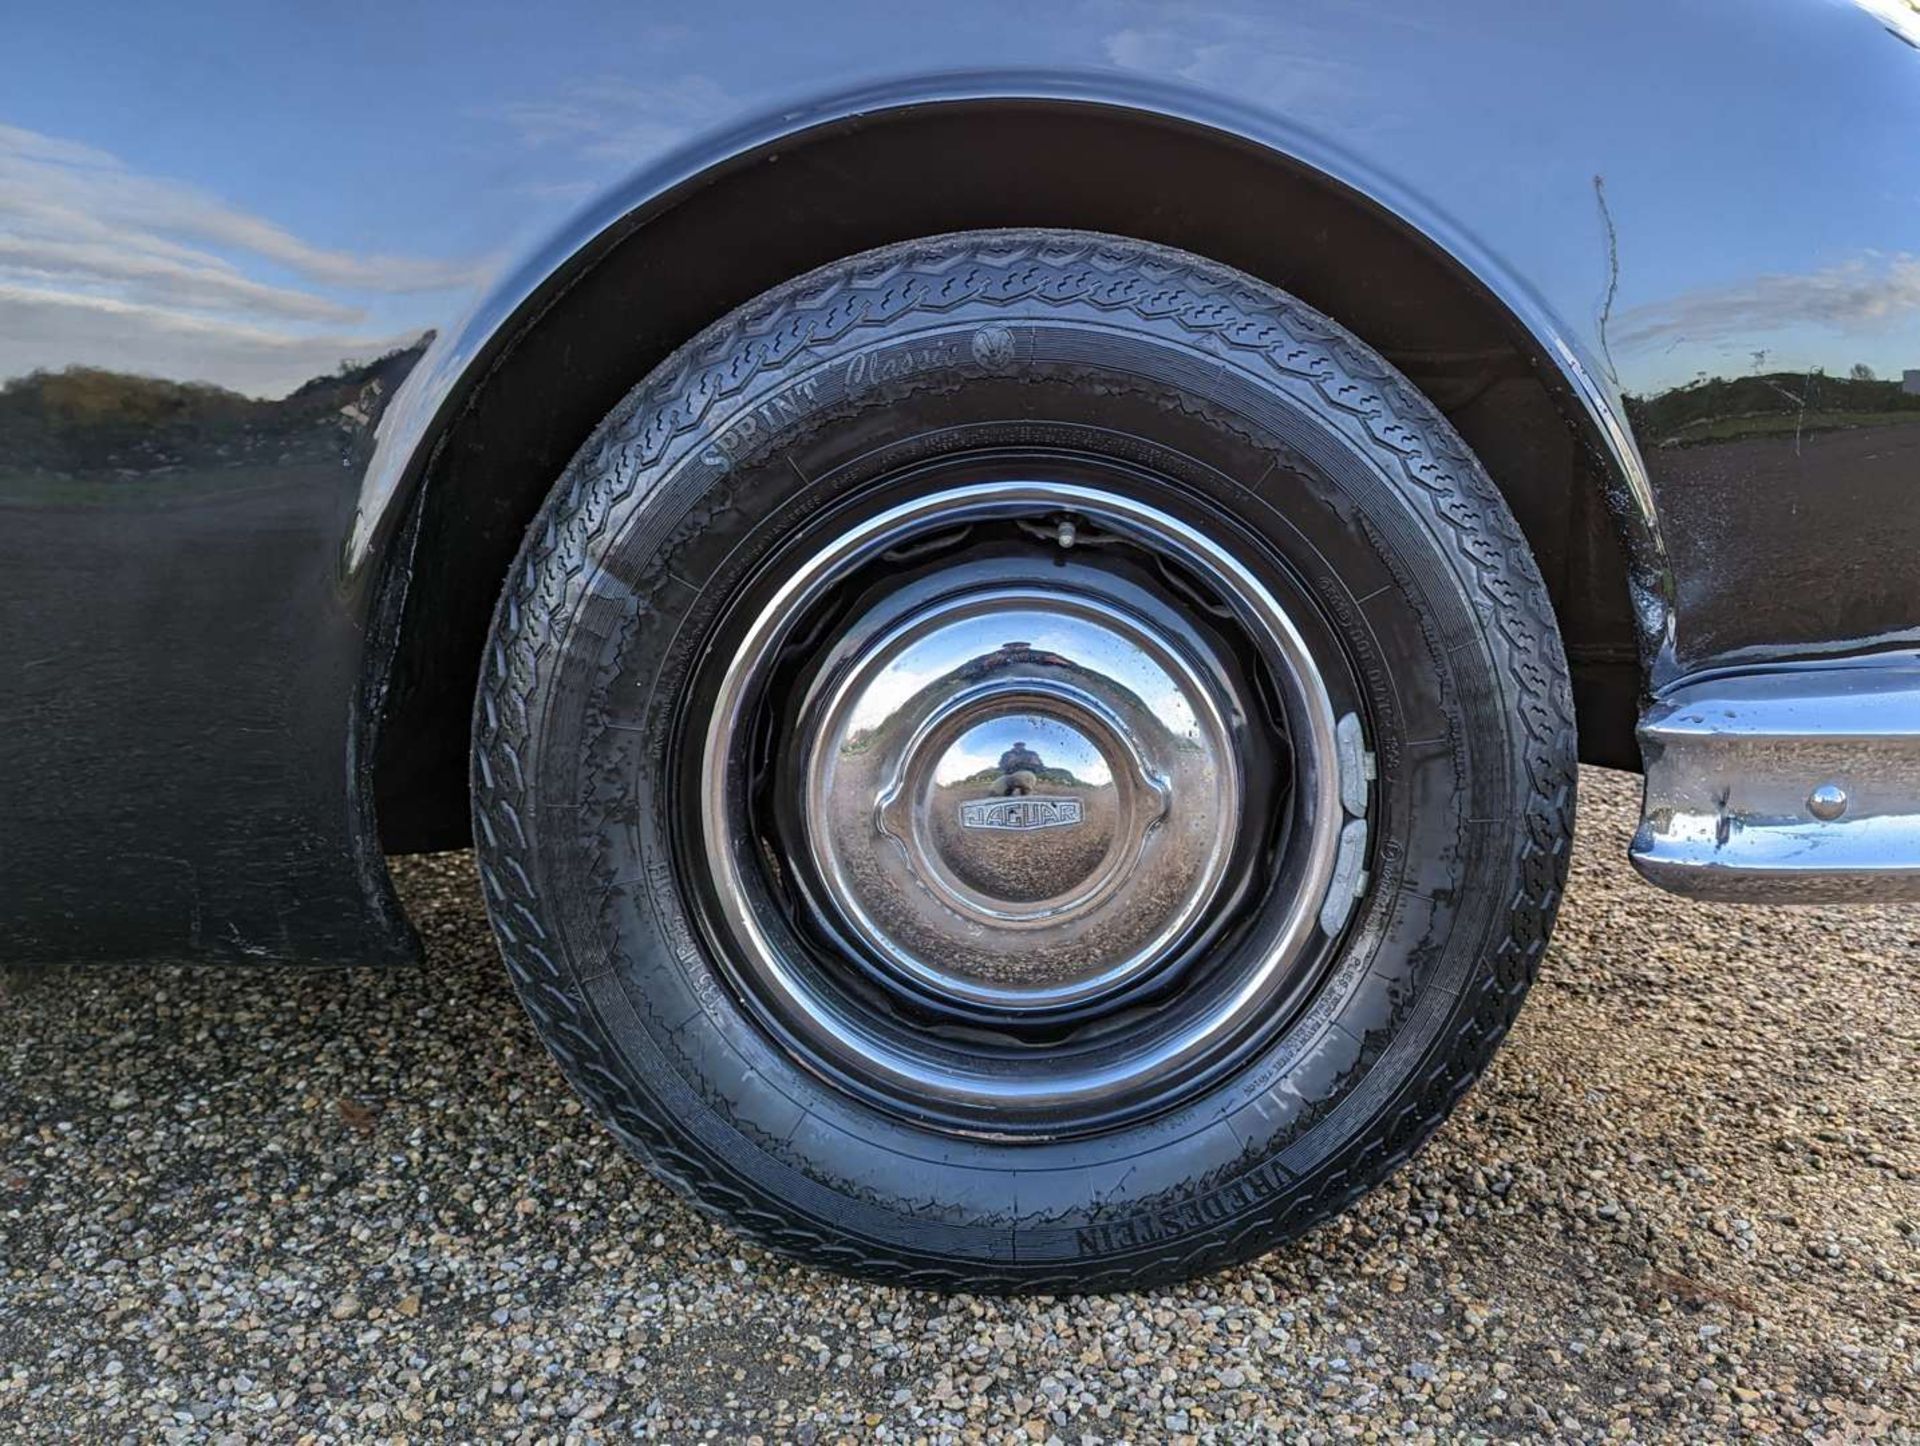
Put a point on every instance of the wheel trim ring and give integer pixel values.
(840, 1033)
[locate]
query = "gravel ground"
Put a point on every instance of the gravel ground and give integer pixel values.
(348, 1206)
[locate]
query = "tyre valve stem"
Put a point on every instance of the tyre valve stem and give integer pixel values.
(1066, 534)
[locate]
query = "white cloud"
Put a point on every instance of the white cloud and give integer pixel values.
(1232, 48)
(104, 266)
(611, 119)
(1869, 293)
(33, 146)
(126, 336)
(52, 188)
(201, 286)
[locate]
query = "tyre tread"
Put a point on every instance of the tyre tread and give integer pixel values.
(1216, 308)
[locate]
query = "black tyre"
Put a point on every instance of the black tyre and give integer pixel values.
(1023, 760)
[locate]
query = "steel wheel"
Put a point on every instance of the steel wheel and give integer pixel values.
(1023, 761)
(1023, 787)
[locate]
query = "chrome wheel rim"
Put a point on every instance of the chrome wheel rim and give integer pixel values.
(1054, 906)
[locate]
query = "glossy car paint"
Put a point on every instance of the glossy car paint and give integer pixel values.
(1685, 206)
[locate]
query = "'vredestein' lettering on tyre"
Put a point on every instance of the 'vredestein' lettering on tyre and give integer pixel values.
(1263, 1182)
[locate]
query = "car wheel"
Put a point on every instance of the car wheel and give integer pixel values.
(1023, 760)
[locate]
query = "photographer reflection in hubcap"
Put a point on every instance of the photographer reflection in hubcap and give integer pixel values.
(1018, 767)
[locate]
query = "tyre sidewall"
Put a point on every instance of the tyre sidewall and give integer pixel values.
(667, 513)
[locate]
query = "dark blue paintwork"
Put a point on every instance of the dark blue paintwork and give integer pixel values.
(1707, 216)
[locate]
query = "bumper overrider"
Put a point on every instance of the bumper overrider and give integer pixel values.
(1795, 785)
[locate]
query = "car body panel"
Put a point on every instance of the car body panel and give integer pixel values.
(1689, 206)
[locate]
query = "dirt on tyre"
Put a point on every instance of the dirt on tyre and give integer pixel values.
(1023, 760)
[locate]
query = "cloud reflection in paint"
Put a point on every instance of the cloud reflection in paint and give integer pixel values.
(613, 119)
(1867, 294)
(1871, 304)
(102, 265)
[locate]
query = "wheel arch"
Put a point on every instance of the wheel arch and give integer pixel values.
(476, 437)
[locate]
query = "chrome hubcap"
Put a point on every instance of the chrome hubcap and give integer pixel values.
(1021, 800)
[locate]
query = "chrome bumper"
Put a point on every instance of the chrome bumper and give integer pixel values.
(1795, 786)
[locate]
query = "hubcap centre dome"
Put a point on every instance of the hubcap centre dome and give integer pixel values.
(1022, 809)
(1020, 798)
